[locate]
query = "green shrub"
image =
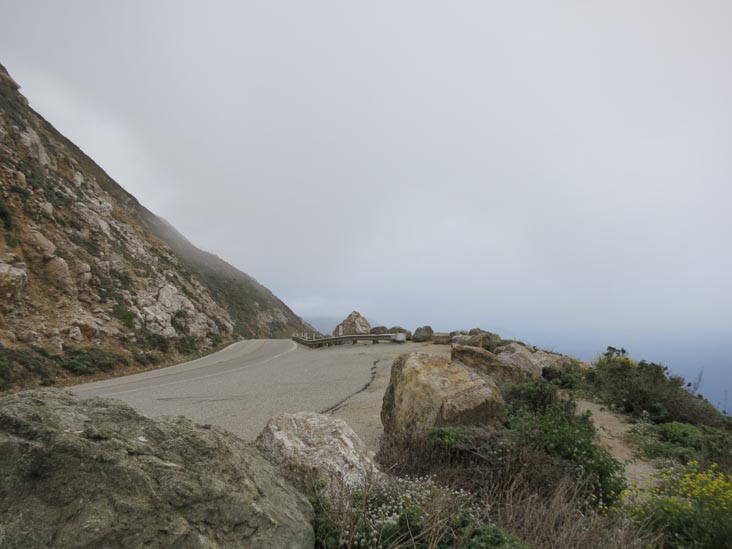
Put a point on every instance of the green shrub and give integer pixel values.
(645, 387)
(569, 376)
(6, 217)
(535, 395)
(87, 361)
(450, 437)
(684, 443)
(149, 340)
(690, 506)
(186, 345)
(4, 373)
(572, 438)
(124, 315)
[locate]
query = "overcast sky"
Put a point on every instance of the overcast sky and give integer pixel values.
(558, 173)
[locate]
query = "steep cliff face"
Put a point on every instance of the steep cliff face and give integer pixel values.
(90, 279)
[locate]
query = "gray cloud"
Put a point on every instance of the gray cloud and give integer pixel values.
(560, 174)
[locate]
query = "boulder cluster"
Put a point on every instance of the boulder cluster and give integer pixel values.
(97, 473)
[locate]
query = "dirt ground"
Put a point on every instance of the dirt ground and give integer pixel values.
(612, 428)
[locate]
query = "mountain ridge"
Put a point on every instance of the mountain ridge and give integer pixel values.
(93, 281)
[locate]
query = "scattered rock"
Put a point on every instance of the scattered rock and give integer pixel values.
(490, 364)
(423, 333)
(12, 282)
(58, 271)
(307, 446)
(96, 473)
(486, 340)
(29, 336)
(354, 324)
(427, 391)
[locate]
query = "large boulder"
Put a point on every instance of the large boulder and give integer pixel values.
(379, 330)
(427, 391)
(423, 333)
(490, 364)
(485, 340)
(309, 447)
(353, 324)
(96, 473)
(400, 330)
(535, 360)
(521, 357)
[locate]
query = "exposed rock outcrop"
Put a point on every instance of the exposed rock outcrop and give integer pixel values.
(479, 338)
(13, 279)
(423, 333)
(308, 447)
(531, 359)
(491, 365)
(379, 330)
(96, 473)
(427, 391)
(353, 324)
(441, 338)
(74, 244)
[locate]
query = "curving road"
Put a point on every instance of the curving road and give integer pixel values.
(242, 386)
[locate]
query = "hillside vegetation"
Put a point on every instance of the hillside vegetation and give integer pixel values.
(91, 282)
(544, 479)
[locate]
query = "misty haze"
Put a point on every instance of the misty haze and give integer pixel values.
(230, 211)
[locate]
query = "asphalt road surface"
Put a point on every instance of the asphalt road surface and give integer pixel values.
(242, 386)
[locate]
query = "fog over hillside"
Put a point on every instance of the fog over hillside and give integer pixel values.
(558, 174)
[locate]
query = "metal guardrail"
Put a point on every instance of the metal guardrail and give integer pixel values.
(314, 341)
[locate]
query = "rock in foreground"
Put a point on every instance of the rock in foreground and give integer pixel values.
(427, 391)
(307, 447)
(96, 473)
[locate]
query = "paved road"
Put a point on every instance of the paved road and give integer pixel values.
(242, 386)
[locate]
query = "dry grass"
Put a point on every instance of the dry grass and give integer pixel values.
(519, 488)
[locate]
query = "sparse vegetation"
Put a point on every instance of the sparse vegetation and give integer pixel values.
(6, 217)
(87, 361)
(124, 315)
(405, 512)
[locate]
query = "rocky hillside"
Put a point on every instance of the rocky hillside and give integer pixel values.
(90, 279)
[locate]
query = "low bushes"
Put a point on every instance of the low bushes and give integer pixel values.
(683, 442)
(645, 387)
(690, 506)
(87, 361)
(405, 512)
(124, 315)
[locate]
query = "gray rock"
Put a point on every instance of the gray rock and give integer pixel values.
(354, 324)
(307, 447)
(441, 338)
(12, 282)
(96, 473)
(379, 330)
(423, 333)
